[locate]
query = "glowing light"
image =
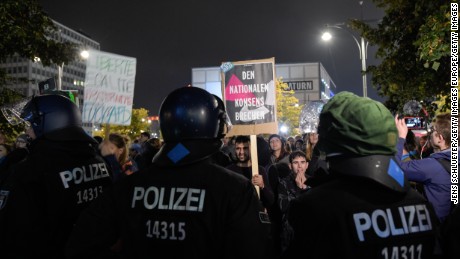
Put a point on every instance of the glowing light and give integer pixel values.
(326, 36)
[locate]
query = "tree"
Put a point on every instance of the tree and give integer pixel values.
(139, 123)
(413, 42)
(26, 30)
(287, 111)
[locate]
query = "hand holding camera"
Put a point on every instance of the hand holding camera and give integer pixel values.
(401, 126)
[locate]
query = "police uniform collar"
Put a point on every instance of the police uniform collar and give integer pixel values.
(379, 168)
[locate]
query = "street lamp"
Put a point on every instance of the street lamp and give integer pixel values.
(284, 129)
(84, 54)
(362, 46)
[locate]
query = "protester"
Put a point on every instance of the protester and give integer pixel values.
(244, 167)
(183, 205)
(22, 141)
(429, 171)
(149, 149)
(291, 187)
(115, 151)
(311, 139)
(368, 210)
(5, 149)
(290, 143)
(143, 137)
(278, 151)
(298, 145)
(43, 195)
(228, 147)
(135, 154)
(409, 152)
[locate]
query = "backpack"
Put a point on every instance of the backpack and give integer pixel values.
(446, 235)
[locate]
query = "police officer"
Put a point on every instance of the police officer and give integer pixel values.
(368, 209)
(42, 196)
(183, 205)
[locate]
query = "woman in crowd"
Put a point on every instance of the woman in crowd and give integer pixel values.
(115, 151)
(279, 153)
(4, 151)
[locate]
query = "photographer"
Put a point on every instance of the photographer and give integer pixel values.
(429, 171)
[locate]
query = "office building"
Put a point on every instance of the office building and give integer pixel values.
(309, 81)
(33, 71)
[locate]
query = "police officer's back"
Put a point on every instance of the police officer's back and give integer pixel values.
(368, 209)
(43, 195)
(183, 205)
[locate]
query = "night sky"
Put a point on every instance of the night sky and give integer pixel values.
(169, 38)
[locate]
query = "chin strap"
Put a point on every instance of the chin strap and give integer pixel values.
(379, 168)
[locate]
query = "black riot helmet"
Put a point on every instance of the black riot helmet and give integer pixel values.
(192, 123)
(191, 113)
(47, 113)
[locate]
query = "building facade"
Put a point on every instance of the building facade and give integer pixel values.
(72, 75)
(309, 81)
(69, 77)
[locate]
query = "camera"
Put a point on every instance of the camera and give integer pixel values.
(415, 122)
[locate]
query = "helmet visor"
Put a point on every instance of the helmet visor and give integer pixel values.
(13, 111)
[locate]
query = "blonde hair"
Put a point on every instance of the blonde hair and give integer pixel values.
(121, 141)
(309, 146)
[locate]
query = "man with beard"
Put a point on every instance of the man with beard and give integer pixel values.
(243, 166)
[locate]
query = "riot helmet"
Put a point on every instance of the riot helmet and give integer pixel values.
(47, 113)
(358, 136)
(191, 113)
(192, 123)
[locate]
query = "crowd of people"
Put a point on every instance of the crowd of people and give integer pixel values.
(361, 186)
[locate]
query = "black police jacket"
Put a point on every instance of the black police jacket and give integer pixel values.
(199, 210)
(355, 217)
(43, 195)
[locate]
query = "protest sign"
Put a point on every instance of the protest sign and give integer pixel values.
(249, 93)
(109, 88)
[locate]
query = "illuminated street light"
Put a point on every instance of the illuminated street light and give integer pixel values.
(326, 36)
(362, 47)
(284, 129)
(83, 54)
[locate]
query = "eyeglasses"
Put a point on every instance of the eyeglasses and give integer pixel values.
(433, 129)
